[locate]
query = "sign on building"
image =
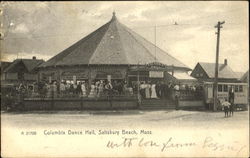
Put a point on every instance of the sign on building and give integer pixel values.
(50, 79)
(109, 77)
(156, 74)
(74, 79)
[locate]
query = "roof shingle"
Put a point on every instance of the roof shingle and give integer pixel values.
(224, 70)
(30, 64)
(113, 43)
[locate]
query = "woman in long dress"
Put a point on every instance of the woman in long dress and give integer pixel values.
(100, 89)
(83, 88)
(147, 90)
(48, 90)
(92, 91)
(97, 87)
(153, 92)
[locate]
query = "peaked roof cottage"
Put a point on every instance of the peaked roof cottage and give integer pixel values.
(27, 65)
(245, 77)
(21, 70)
(4, 65)
(206, 71)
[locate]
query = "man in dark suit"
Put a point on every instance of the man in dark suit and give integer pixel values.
(231, 100)
(158, 89)
(226, 105)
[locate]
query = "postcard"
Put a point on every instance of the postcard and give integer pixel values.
(124, 79)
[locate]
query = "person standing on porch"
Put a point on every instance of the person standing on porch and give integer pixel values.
(169, 90)
(97, 87)
(125, 88)
(162, 90)
(165, 90)
(100, 89)
(158, 89)
(177, 87)
(109, 88)
(67, 88)
(92, 91)
(79, 89)
(147, 90)
(74, 88)
(142, 90)
(153, 95)
(120, 87)
(62, 88)
(54, 90)
(83, 88)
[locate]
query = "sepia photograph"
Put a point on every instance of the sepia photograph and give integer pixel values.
(124, 78)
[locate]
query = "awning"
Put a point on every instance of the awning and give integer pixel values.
(114, 75)
(183, 76)
(148, 67)
(68, 75)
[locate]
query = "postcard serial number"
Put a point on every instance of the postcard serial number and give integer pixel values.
(28, 133)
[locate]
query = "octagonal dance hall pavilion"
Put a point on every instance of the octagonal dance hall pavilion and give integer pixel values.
(113, 52)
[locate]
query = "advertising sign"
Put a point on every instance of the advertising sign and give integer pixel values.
(74, 79)
(109, 77)
(156, 74)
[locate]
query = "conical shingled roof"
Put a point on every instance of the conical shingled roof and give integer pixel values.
(112, 44)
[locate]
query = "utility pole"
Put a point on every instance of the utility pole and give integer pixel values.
(138, 83)
(1, 32)
(218, 26)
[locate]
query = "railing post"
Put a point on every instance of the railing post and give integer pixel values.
(81, 102)
(21, 102)
(176, 101)
(52, 98)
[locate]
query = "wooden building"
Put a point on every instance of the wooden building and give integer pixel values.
(21, 71)
(245, 77)
(113, 52)
(205, 72)
(3, 66)
(227, 80)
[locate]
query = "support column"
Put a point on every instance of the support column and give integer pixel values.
(38, 76)
(59, 78)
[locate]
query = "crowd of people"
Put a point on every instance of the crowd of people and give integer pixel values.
(163, 90)
(98, 88)
(103, 88)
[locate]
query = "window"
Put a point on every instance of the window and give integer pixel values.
(219, 88)
(197, 75)
(230, 87)
(236, 88)
(225, 88)
(240, 88)
(201, 74)
(20, 76)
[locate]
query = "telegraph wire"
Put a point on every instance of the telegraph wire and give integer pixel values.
(175, 25)
(46, 36)
(198, 24)
(149, 27)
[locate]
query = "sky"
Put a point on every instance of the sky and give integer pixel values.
(44, 29)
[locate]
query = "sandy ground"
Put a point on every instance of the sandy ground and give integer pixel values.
(170, 118)
(181, 125)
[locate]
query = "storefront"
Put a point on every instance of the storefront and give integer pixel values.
(147, 73)
(157, 72)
